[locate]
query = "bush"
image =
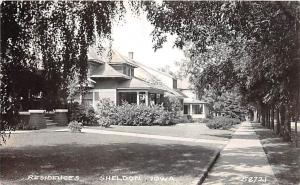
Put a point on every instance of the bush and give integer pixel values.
(222, 122)
(80, 113)
(132, 114)
(185, 119)
(106, 111)
(172, 105)
(75, 126)
(204, 120)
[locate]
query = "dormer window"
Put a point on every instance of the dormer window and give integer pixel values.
(124, 68)
(129, 71)
(123, 64)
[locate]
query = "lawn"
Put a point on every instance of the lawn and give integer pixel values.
(94, 157)
(188, 130)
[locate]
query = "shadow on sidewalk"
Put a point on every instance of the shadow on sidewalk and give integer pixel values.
(283, 156)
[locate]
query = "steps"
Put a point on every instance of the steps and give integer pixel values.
(49, 119)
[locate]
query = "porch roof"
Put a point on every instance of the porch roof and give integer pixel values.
(193, 101)
(106, 71)
(136, 83)
(90, 83)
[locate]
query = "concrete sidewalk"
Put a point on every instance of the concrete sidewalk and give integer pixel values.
(242, 161)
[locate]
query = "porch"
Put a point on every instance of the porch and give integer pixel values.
(195, 108)
(146, 96)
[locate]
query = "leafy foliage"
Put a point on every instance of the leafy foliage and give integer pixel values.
(85, 115)
(75, 126)
(133, 115)
(251, 47)
(47, 43)
(172, 104)
(222, 122)
(227, 103)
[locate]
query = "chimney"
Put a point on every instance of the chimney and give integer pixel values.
(130, 55)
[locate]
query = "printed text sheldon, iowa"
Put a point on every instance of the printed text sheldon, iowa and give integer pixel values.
(134, 178)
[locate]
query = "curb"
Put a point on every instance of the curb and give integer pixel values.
(208, 167)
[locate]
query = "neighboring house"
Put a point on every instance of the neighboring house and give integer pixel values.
(182, 89)
(192, 105)
(124, 79)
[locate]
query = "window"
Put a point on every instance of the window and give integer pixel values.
(159, 98)
(152, 98)
(142, 97)
(87, 99)
(186, 109)
(131, 72)
(128, 71)
(129, 97)
(174, 84)
(97, 96)
(197, 109)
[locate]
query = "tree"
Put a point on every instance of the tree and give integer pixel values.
(50, 40)
(249, 46)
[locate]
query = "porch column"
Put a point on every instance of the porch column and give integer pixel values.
(147, 98)
(205, 110)
(93, 95)
(191, 109)
(138, 98)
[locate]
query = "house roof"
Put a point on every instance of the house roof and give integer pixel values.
(147, 76)
(106, 71)
(150, 78)
(193, 101)
(94, 55)
(117, 58)
(158, 71)
(183, 83)
(136, 83)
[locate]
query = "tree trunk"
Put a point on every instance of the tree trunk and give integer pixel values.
(263, 116)
(282, 120)
(278, 121)
(287, 125)
(268, 118)
(255, 116)
(272, 118)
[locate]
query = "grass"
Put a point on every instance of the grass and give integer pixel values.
(283, 156)
(92, 156)
(189, 130)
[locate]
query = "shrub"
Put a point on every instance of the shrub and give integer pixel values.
(222, 122)
(106, 111)
(75, 126)
(172, 105)
(132, 114)
(80, 113)
(204, 120)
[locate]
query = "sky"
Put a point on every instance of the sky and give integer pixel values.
(133, 35)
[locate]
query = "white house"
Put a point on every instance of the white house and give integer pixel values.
(121, 78)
